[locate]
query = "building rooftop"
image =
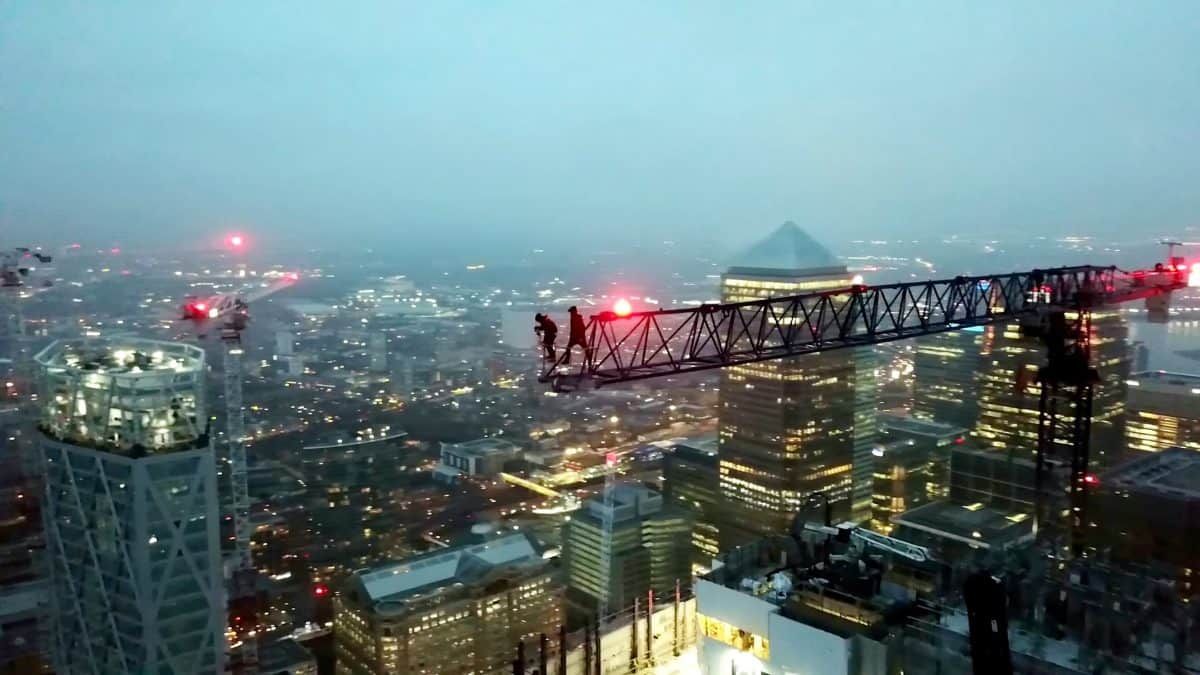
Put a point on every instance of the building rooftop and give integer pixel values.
(1165, 379)
(919, 427)
(283, 656)
(707, 443)
(121, 357)
(973, 524)
(484, 446)
(1174, 472)
(124, 395)
(397, 581)
(788, 249)
(840, 596)
(630, 501)
(700, 454)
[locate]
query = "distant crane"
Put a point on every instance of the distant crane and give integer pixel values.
(232, 310)
(17, 264)
(18, 270)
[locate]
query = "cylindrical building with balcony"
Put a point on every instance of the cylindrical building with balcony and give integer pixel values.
(131, 508)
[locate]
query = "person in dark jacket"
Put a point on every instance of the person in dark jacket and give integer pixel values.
(578, 334)
(545, 327)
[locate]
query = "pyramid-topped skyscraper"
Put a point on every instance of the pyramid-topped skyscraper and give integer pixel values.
(788, 249)
(793, 432)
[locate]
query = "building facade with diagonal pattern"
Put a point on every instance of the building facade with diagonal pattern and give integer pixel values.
(131, 509)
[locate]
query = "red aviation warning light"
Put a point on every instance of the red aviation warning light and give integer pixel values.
(320, 590)
(236, 240)
(1091, 479)
(622, 307)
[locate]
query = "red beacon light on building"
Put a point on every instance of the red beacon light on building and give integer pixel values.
(1091, 479)
(320, 590)
(236, 240)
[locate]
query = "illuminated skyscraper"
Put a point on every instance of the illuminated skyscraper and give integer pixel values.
(1009, 392)
(912, 466)
(690, 483)
(649, 548)
(130, 509)
(788, 433)
(1164, 411)
(946, 367)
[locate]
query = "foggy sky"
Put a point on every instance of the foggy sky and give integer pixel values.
(478, 123)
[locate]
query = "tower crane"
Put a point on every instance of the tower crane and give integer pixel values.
(232, 311)
(18, 271)
(18, 263)
(1054, 304)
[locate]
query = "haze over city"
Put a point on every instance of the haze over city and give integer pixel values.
(421, 125)
(678, 338)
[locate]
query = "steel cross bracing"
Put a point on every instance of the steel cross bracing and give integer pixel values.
(675, 341)
(236, 440)
(242, 591)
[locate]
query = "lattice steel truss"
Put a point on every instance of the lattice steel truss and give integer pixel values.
(674, 341)
(1054, 304)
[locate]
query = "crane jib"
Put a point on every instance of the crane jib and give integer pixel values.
(639, 345)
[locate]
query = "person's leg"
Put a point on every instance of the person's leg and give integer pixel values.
(576, 343)
(587, 353)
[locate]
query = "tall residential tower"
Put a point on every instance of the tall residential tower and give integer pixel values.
(131, 508)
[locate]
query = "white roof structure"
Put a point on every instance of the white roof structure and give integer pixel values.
(395, 581)
(482, 447)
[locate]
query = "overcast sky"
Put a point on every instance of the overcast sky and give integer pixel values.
(442, 121)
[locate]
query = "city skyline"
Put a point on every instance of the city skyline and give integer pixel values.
(682, 338)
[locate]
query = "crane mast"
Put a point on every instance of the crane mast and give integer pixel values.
(242, 591)
(242, 600)
(235, 429)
